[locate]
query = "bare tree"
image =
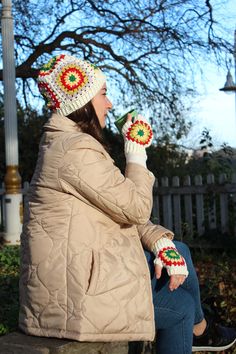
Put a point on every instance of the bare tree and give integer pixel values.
(146, 46)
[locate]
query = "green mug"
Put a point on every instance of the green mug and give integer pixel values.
(121, 121)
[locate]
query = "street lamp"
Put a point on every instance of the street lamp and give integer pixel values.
(230, 84)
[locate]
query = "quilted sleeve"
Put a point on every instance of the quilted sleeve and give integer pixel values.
(149, 233)
(92, 176)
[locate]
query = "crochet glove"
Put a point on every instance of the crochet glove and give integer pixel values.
(167, 256)
(138, 136)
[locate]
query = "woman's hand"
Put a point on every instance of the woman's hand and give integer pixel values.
(167, 256)
(138, 136)
(175, 280)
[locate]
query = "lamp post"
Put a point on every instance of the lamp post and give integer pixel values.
(230, 84)
(13, 195)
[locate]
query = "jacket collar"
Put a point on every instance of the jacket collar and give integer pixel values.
(61, 123)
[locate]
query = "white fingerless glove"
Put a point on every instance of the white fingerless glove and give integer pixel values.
(138, 136)
(167, 256)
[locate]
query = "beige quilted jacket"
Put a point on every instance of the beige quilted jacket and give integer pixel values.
(84, 274)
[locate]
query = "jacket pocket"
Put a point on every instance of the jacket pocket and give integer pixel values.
(94, 274)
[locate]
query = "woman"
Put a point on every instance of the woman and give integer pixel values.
(84, 274)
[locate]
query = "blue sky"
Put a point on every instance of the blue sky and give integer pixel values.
(214, 109)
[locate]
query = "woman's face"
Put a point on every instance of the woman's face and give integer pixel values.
(101, 104)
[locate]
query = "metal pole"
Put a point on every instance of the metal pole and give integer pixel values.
(13, 195)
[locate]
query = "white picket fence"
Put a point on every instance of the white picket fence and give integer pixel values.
(196, 206)
(190, 208)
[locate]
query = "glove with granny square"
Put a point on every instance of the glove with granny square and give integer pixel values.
(168, 257)
(138, 136)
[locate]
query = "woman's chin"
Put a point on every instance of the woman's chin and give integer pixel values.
(103, 125)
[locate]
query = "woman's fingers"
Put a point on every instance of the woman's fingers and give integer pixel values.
(129, 117)
(176, 281)
(158, 270)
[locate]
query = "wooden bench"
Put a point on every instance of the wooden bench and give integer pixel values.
(19, 343)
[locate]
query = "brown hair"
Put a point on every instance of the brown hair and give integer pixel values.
(88, 122)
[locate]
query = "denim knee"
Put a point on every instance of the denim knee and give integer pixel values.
(172, 308)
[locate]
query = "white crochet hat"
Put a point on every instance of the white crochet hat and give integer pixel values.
(68, 83)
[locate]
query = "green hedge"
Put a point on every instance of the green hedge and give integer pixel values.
(9, 278)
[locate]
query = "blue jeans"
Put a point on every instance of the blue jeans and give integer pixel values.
(176, 311)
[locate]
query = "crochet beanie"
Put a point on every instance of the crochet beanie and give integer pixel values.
(68, 83)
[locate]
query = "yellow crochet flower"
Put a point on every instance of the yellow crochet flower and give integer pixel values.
(71, 79)
(140, 133)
